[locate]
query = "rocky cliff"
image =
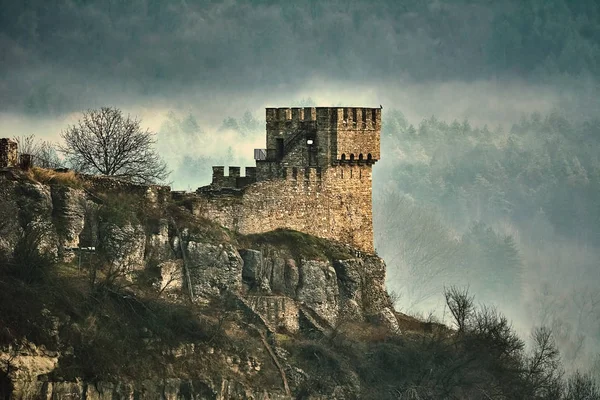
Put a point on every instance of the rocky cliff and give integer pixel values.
(111, 290)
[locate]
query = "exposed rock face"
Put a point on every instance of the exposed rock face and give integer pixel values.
(291, 277)
(123, 245)
(254, 272)
(68, 209)
(171, 276)
(387, 318)
(34, 201)
(273, 273)
(280, 312)
(158, 247)
(24, 366)
(214, 268)
(169, 389)
(374, 295)
(362, 286)
(318, 289)
(350, 275)
(351, 289)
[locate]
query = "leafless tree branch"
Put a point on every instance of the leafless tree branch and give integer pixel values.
(106, 142)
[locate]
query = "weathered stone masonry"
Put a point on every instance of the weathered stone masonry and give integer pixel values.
(314, 176)
(8, 153)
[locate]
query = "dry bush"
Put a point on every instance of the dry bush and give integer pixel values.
(49, 176)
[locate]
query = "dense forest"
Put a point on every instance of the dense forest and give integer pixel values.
(513, 214)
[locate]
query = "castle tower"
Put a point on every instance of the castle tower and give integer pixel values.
(313, 176)
(322, 136)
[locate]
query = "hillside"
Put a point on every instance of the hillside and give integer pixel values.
(113, 288)
(161, 304)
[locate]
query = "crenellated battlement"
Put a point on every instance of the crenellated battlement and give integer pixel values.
(233, 179)
(325, 117)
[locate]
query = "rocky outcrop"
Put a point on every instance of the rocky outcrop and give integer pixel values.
(352, 289)
(123, 245)
(274, 273)
(168, 389)
(34, 201)
(362, 287)
(318, 289)
(69, 208)
(27, 371)
(71, 217)
(279, 291)
(280, 312)
(24, 366)
(213, 268)
(171, 277)
(158, 244)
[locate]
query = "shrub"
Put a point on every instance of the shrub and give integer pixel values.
(32, 258)
(49, 176)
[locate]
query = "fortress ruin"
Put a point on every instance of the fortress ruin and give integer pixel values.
(314, 176)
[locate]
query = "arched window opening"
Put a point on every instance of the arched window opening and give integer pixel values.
(343, 157)
(351, 157)
(369, 157)
(360, 157)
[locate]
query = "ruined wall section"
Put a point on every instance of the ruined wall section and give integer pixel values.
(233, 179)
(8, 153)
(333, 203)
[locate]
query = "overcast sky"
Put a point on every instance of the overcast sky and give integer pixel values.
(215, 59)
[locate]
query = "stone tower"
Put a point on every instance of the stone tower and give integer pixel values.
(313, 176)
(323, 136)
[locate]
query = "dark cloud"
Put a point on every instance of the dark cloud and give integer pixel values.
(62, 54)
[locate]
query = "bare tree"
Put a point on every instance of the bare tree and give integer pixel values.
(419, 249)
(461, 305)
(582, 387)
(543, 370)
(106, 142)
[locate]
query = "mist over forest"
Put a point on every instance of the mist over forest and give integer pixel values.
(490, 169)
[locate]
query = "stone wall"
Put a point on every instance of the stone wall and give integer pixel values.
(8, 153)
(357, 133)
(334, 203)
(314, 178)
